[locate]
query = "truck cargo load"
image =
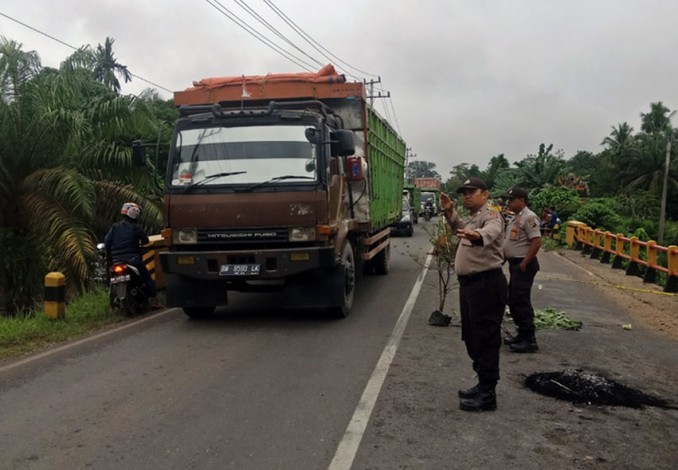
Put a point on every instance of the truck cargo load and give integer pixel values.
(278, 182)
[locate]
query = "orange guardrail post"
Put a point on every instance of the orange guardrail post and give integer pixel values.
(651, 272)
(634, 253)
(672, 279)
(157, 244)
(572, 232)
(618, 251)
(55, 295)
(607, 248)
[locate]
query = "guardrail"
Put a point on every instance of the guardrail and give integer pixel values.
(157, 244)
(640, 256)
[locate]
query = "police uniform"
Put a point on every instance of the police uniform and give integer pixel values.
(482, 291)
(523, 228)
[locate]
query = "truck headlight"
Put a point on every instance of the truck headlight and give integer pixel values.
(302, 234)
(185, 236)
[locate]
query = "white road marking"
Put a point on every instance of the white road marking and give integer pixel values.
(348, 447)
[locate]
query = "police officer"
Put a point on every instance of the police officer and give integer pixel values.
(521, 244)
(482, 289)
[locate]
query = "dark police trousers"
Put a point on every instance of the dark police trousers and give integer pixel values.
(520, 289)
(482, 301)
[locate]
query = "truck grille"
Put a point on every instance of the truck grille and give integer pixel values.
(242, 235)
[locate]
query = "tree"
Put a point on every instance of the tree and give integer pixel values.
(541, 170)
(101, 63)
(64, 172)
(422, 169)
(498, 164)
(657, 121)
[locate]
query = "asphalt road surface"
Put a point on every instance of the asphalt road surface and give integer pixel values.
(264, 388)
(256, 388)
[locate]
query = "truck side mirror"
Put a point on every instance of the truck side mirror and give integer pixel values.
(342, 143)
(138, 153)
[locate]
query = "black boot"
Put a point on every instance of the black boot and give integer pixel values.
(514, 339)
(469, 392)
(484, 400)
(527, 345)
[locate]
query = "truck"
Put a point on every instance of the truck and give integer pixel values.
(281, 182)
(430, 191)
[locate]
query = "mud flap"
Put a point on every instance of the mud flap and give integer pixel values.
(186, 292)
(322, 289)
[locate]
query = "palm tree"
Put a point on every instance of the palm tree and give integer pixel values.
(106, 66)
(101, 63)
(657, 121)
(620, 138)
(64, 172)
(16, 67)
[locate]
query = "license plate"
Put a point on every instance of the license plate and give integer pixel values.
(239, 270)
(119, 279)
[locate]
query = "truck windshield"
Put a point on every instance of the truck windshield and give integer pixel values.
(253, 154)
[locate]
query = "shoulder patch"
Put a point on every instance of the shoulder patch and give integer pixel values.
(532, 221)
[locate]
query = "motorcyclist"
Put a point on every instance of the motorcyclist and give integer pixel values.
(123, 243)
(428, 208)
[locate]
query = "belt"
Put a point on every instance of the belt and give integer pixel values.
(515, 260)
(466, 279)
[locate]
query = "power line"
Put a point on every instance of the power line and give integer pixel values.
(75, 48)
(243, 24)
(315, 44)
(271, 28)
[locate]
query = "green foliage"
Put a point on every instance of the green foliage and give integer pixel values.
(65, 168)
(422, 169)
(550, 318)
(565, 201)
(25, 333)
(599, 213)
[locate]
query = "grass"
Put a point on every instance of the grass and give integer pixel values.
(33, 331)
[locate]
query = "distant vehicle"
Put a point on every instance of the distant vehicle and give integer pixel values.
(406, 222)
(429, 196)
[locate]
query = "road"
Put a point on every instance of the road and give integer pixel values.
(257, 388)
(262, 388)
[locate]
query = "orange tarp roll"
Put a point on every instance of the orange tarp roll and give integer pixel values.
(327, 74)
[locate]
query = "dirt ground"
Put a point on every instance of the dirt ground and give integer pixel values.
(647, 302)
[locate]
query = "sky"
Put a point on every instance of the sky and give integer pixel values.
(468, 79)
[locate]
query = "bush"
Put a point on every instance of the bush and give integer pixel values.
(600, 214)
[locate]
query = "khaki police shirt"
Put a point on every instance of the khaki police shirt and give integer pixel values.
(523, 228)
(476, 257)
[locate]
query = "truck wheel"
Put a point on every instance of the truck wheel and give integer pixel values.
(348, 266)
(198, 312)
(382, 261)
(410, 231)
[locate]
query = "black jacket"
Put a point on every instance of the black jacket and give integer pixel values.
(124, 239)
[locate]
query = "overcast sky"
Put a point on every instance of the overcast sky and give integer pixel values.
(469, 79)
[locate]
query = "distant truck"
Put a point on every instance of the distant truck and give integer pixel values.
(283, 182)
(430, 191)
(427, 183)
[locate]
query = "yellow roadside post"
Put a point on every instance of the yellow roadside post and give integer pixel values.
(55, 295)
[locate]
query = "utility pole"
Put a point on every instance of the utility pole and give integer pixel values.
(371, 96)
(662, 210)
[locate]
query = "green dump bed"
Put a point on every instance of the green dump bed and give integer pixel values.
(386, 165)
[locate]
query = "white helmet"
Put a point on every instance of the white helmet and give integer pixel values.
(131, 210)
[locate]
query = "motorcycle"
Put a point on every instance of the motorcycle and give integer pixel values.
(428, 213)
(126, 289)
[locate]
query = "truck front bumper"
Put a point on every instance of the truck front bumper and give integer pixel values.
(273, 264)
